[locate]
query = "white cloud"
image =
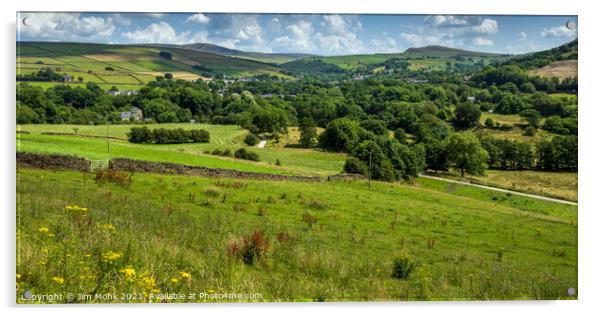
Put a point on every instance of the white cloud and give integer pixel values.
(337, 35)
(298, 36)
(385, 45)
(121, 19)
(415, 39)
(198, 18)
(67, 26)
(446, 20)
(558, 32)
(240, 31)
(160, 32)
(480, 41)
(522, 36)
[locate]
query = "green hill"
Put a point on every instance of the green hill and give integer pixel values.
(130, 64)
(442, 51)
(565, 52)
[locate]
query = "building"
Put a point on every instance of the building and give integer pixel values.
(67, 78)
(134, 114)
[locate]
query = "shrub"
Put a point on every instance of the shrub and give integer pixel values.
(355, 166)
(242, 153)
(251, 139)
(530, 131)
(227, 153)
(249, 248)
(489, 122)
(403, 265)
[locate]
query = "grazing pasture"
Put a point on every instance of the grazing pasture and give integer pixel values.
(151, 234)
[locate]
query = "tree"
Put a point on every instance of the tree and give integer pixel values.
(400, 135)
(271, 120)
(532, 116)
(489, 122)
(251, 139)
(467, 115)
(168, 75)
(340, 134)
(309, 133)
(466, 153)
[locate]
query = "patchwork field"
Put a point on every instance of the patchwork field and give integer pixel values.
(517, 130)
(133, 65)
(180, 234)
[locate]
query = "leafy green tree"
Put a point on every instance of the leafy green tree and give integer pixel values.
(532, 116)
(467, 115)
(309, 132)
(400, 135)
(466, 153)
(341, 134)
(271, 120)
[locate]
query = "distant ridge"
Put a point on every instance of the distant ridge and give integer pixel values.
(442, 51)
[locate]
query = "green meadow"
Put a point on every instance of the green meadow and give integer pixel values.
(329, 241)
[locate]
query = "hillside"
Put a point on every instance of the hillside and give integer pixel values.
(442, 51)
(568, 51)
(129, 64)
(273, 58)
(559, 69)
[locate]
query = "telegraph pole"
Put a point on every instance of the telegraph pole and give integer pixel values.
(370, 171)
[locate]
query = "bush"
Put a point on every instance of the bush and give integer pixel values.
(250, 248)
(227, 153)
(530, 131)
(251, 139)
(403, 265)
(489, 122)
(242, 153)
(355, 166)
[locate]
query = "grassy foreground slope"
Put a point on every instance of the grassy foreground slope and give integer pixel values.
(176, 234)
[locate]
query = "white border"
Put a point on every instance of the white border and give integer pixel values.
(590, 258)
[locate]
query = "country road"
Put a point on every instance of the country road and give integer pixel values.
(262, 143)
(539, 197)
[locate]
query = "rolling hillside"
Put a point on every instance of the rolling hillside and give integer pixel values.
(130, 64)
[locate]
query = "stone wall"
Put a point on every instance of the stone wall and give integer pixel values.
(49, 161)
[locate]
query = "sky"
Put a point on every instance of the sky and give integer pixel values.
(320, 34)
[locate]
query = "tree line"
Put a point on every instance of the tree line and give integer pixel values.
(167, 136)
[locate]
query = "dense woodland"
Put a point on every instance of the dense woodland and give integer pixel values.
(397, 125)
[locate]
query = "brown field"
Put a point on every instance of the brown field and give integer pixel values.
(176, 74)
(561, 69)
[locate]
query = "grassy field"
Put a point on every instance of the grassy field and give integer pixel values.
(560, 69)
(331, 241)
(292, 160)
(517, 130)
(561, 185)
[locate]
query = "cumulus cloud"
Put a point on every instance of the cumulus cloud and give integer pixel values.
(67, 26)
(160, 32)
(386, 44)
(198, 18)
(558, 32)
(522, 36)
(239, 31)
(337, 34)
(480, 41)
(298, 36)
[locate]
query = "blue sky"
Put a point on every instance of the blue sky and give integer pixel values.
(323, 34)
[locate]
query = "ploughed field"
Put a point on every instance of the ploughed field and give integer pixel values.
(288, 241)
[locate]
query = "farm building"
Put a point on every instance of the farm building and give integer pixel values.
(67, 78)
(134, 114)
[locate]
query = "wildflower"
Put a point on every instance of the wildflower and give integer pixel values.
(185, 275)
(129, 273)
(111, 256)
(87, 255)
(76, 210)
(149, 283)
(43, 230)
(58, 280)
(18, 276)
(109, 228)
(174, 280)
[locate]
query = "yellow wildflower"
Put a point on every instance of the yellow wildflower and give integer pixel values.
(76, 210)
(58, 280)
(129, 273)
(174, 281)
(18, 276)
(149, 283)
(87, 255)
(43, 230)
(111, 256)
(109, 228)
(185, 275)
